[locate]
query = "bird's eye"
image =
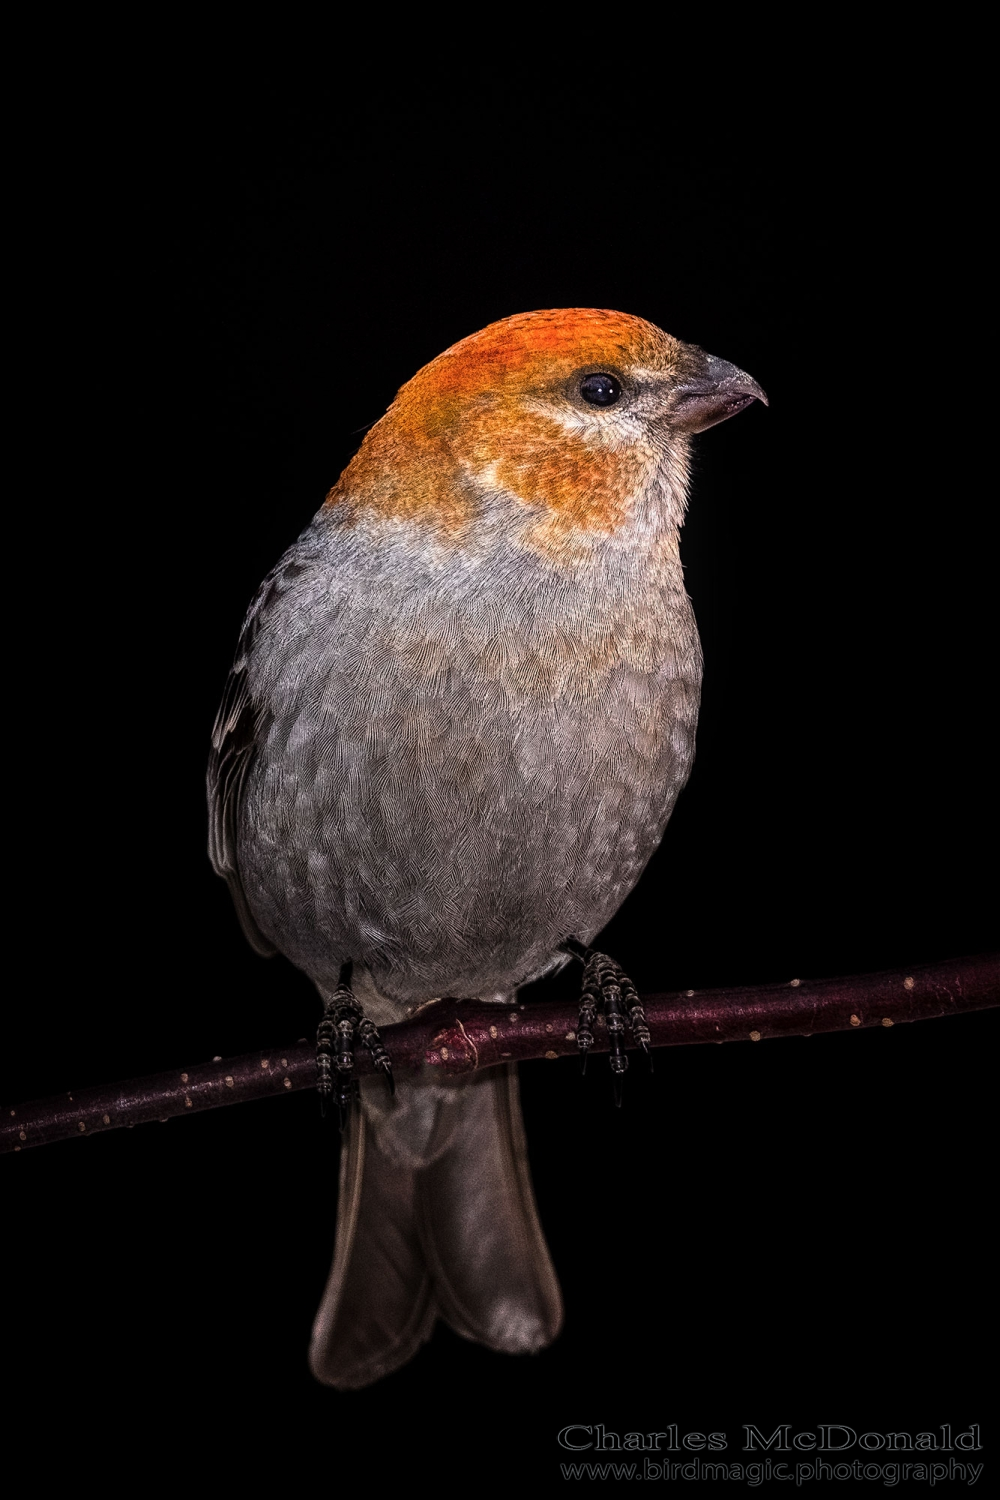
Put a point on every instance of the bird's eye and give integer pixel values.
(600, 390)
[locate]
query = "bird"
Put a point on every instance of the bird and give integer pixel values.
(461, 710)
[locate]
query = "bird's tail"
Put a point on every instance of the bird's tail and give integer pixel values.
(437, 1218)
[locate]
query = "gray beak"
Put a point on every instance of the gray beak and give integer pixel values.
(715, 392)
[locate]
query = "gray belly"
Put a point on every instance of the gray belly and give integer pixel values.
(448, 827)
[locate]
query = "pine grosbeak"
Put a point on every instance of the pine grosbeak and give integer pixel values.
(461, 711)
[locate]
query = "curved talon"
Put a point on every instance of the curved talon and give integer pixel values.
(324, 1067)
(345, 1023)
(346, 1093)
(585, 1025)
(368, 1032)
(608, 989)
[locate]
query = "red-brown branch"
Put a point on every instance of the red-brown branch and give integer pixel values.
(460, 1036)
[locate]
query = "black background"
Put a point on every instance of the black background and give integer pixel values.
(217, 300)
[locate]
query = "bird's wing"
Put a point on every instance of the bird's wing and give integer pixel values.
(239, 728)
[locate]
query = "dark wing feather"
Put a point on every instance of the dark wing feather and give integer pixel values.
(240, 725)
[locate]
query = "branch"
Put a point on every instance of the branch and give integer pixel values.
(460, 1036)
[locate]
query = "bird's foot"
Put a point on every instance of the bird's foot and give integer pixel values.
(344, 1023)
(608, 989)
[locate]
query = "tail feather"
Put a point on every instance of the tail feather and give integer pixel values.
(377, 1308)
(454, 1234)
(493, 1278)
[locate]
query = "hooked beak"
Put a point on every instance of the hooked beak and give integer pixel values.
(713, 393)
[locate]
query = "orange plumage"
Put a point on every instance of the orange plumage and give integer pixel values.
(475, 416)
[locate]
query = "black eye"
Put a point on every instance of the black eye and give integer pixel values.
(600, 390)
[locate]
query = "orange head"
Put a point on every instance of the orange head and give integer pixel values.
(569, 415)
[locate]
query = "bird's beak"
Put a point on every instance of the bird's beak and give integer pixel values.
(713, 391)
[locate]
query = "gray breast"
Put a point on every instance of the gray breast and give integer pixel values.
(464, 756)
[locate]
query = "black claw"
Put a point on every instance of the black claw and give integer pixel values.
(368, 1033)
(345, 1023)
(607, 989)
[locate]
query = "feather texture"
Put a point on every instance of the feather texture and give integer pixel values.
(461, 711)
